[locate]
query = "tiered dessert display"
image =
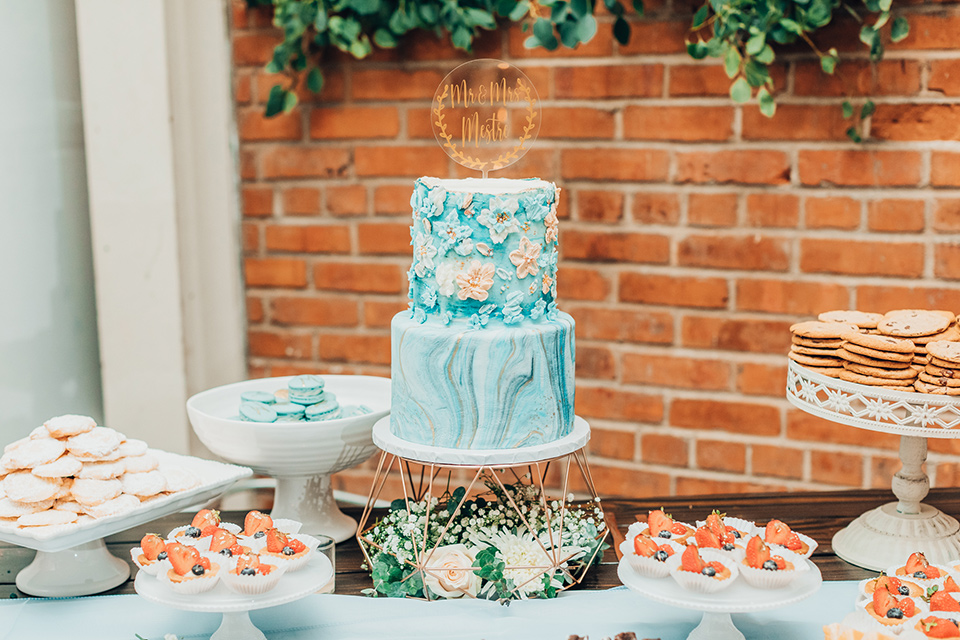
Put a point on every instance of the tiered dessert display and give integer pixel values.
(722, 565)
(211, 566)
(300, 453)
(71, 483)
(844, 393)
(483, 379)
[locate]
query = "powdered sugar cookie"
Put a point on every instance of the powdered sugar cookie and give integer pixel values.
(94, 492)
(131, 448)
(66, 489)
(110, 457)
(13, 509)
(46, 518)
(23, 486)
(145, 484)
(98, 442)
(179, 479)
(16, 443)
(120, 504)
(68, 505)
(33, 453)
(39, 432)
(69, 425)
(141, 464)
(102, 470)
(64, 466)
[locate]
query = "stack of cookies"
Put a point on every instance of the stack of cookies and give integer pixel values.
(942, 374)
(877, 360)
(866, 322)
(921, 327)
(816, 345)
(69, 470)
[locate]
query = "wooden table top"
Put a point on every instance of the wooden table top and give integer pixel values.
(817, 514)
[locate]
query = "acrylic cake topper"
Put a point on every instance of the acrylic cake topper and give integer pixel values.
(486, 114)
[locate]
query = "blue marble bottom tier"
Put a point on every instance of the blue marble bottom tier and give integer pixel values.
(499, 387)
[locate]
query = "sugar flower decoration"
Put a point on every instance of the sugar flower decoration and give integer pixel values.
(552, 224)
(423, 252)
(525, 258)
(476, 281)
(547, 283)
(446, 276)
(500, 217)
(452, 233)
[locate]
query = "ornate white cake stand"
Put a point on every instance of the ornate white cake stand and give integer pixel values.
(881, 537)
(72, 560)
(236, 607)
(300, 455)
(739, 597)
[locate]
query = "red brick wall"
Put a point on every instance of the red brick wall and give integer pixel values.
(694, 232)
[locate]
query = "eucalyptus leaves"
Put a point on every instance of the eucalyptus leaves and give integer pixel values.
(743, 33)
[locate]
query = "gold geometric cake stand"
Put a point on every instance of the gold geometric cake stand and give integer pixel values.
(883, 536)
(431, 472)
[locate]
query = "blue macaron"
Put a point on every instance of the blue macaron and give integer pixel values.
(305, 390)
(257, 412)
(288, 412)
(326, 409)
(263, 397)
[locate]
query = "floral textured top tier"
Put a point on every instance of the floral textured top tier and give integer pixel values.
(484, 249)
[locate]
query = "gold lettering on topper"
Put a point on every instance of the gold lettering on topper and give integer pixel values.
(491, 130)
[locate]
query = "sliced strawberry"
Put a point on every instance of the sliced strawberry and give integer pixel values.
(706, 538)
(644, 546)
(717, 566)
(205, 518)
(276, 540)
(916, 562)
(715, 523)
(690, 560)
(908, 606)
(943, 601)
(237, 550)
(932, 573)
(793, 542)
(182, 557)
(296, 545)
(950, 586)
(222, 539)
(658, 521)
(757, 552)
(152, 546)
(678, 529)
(781, 563)
(777, 533)
(256, 521)
(883, 601)
(934, 627)
(890, 583)
(204, 562)
(265, 569)
(247, 561)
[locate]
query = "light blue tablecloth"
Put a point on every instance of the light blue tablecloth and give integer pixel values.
(598, 614)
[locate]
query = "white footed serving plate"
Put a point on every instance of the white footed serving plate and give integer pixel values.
(300, 455)
(72, 559)
(739, 597)
(235, 607)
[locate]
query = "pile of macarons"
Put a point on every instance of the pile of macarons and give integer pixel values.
(304, 399)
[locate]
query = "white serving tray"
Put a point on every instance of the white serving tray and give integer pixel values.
(213, 479)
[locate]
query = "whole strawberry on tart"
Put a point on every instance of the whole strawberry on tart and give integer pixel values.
(189, 572)
(714, 534)
(291, 552)
(152, 550)
(706, 571)
(780, 534)
(937, 627)
(943, 601)
(204, 523)
(765, 570)
(919, 569)
(661, 525)
(888, 610)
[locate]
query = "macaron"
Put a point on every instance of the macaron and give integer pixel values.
(262, 397)
(326, 409)
(288, 412)
(257, 412)
(306, 390)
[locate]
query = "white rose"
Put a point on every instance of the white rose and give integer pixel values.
(446, 278)
(449, 573)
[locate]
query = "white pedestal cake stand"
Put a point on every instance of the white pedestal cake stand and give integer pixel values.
(885, 535)
(739, 597)
(300, 455)
(236, 607)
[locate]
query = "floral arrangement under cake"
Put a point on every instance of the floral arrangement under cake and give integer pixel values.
(510, 543)
(483, 359)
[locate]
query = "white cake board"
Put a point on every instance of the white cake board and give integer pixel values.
(883, 536)
(426, 454)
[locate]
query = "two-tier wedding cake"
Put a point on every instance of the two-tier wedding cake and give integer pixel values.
(483, 359)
